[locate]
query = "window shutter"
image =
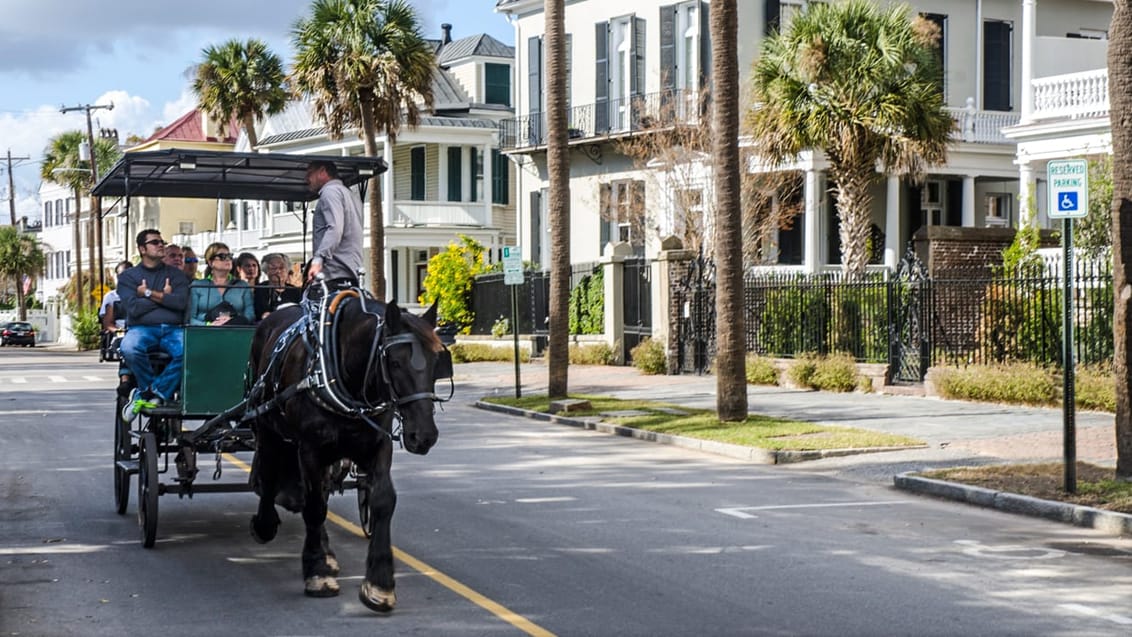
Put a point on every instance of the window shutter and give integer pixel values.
(569, 91)
(605, 202)
(534, 89)
(417, 173)
(667, 49)
(773, 17)
(536, 228)
(637, 58)
(455, 172)
(601, 77)
(500, 181)
(705, 45)
(996, 65)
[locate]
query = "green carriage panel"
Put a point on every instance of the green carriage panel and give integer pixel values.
(215, 361)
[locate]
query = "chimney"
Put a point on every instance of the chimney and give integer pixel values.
(447, 29)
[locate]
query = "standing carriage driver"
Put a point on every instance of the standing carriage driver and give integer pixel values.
(154, 295)
(337, 228)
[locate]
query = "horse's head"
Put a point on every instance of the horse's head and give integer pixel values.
(414, 360)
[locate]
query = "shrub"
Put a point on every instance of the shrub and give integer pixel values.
(1095, 388)
(501, 328)
(86, 329)
(1023, 383)
(591, 354)
(837, 372)
(479, 353)
(587, 304)
(649, 357)
(761, 370)
(802, 370)
(450, 277)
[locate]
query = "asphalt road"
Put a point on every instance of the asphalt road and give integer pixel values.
(513, 526)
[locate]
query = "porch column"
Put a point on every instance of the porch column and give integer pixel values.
(387, 183)
(487, 176)
(1029, 28)
(892, 223)
(968, 201)
(811, 255)
(1027, 206)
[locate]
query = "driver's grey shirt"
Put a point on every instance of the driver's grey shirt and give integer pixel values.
(338, 231)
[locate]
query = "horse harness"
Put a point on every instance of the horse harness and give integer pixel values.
(317, 330)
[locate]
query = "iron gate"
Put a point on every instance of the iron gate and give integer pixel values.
(636, 303)
(909, 303)
(694, 297)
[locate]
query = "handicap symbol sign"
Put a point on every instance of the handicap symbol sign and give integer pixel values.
(1067, 201)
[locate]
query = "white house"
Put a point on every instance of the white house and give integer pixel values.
(625, 58)
(446, 177)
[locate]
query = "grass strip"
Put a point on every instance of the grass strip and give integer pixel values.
(1096, 486)
(757, 431)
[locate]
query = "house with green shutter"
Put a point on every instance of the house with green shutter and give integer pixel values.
(446, 177)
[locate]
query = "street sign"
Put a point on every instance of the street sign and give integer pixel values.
(512, 265)
(1068, 188)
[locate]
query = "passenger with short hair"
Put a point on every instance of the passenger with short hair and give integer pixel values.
(154, 296)
(175, 256)
(337, 227)
(277, 290)
(191, 260)
(220, 298)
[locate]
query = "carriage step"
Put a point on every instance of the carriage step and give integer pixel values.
(130, 466)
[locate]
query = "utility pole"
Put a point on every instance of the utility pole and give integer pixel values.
(12, 186)
(95, 202)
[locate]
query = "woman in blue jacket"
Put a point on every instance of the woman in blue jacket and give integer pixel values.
(220, 298)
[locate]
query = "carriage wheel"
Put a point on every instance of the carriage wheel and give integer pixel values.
(363, 503)
(147, 488)
(121, 452)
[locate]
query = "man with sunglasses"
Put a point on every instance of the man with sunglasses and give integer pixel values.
(154, 295)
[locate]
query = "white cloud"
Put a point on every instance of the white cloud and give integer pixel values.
(183, 104)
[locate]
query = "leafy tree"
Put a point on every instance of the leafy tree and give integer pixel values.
(1120, 115)
(62, 166)
(558, 200)
(20, 256)
(243, 80)
(450, 277)
(366, 66)
(861, 83)
(1093, 233)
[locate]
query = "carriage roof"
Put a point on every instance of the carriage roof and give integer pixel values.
(200, 174)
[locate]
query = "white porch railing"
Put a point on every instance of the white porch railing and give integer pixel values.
(1071, 96)
(236, 240)
(982, 127)
(437, 213)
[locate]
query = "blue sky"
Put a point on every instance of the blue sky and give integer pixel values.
(138, 55)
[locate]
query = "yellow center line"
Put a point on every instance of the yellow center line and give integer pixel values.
(493, 607)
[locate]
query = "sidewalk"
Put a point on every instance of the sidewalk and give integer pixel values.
(957, 432)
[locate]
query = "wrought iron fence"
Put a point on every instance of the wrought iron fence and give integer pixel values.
(491, 299)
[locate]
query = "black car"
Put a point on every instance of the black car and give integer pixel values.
(17, 333)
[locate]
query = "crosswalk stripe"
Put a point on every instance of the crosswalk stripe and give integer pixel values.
(19, 381)
(94, 378)
(57, 379)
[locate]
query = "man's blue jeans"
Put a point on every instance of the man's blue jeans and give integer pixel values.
(137, 343)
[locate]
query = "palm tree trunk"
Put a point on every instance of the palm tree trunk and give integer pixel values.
(854, 203)
(77, 251)
(558, 169)
(23, 311)
(376, 214)
(731, 380)
(92, 277)
(1120, 104)
(249, 130)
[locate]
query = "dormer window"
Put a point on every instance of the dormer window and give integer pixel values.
(497, 84)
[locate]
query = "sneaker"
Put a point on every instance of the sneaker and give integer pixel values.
(135, 404)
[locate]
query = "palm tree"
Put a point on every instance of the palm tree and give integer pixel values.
(1120, 105)
(861, 83)
(62, 166)
(243, 80)
(365, 65)
(731, 380)
(558, 200)
(20, 256)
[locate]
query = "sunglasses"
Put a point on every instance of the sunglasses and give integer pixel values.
(155, 242)
(223, 256)
(190, 259)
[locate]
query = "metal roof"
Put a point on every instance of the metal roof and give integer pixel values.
(222, 175)
(481, 44)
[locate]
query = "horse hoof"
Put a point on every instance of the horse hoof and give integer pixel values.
(321, 586)
(376, 598)
(332, 564)
(261, 535)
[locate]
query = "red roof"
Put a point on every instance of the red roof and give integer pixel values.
(189, 127)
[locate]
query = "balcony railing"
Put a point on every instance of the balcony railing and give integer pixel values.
(1071, 96)
(438, 213)
(667, 108)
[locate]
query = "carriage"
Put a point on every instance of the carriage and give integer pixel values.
(163, 445)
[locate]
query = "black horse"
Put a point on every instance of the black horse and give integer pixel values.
(385, 357)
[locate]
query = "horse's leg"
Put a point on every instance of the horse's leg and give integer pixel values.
(377, 587)
(318, 570)
(265, 482)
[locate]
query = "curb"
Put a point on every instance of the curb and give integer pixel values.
(739, 452)
(1110, 522)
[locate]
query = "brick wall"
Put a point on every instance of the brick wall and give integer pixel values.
(949, 247)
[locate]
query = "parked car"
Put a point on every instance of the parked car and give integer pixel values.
(17, 333)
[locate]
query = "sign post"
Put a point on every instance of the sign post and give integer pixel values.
(1068, 200)
(513, 277)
